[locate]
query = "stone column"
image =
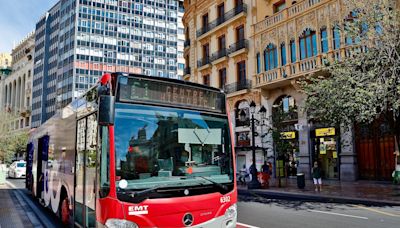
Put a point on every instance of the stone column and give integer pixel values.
(304, 147)
(348, 155)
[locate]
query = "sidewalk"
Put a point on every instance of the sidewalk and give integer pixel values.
(358, 192)
(12, 214)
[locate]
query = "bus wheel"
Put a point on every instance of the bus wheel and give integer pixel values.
(64, 210)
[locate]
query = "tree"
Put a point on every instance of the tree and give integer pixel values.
(366, 84)
(11, 141)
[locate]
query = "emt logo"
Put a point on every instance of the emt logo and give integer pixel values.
(138, 210)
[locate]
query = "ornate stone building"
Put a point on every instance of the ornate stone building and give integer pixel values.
(217, 50)
(16, 91)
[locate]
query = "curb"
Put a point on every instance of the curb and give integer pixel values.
(271, 194)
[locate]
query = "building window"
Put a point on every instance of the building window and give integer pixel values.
(221, 42)
(222, 78)
(238, 3)
(279, 6)
(283, 54)
(270, 57)
(324, 40)
(240, 33)
(206, 51)
(292, 51)
(336, 37)
(241, 72)
(221, 10)
(206, 80)
(308, 44)
(205, 20)
(258, 63)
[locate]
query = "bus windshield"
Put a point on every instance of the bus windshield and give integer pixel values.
(160, 147)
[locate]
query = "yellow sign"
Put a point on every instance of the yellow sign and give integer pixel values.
(334, 154)
(288, 135)
(325, 131)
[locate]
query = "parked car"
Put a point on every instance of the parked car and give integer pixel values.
(17, 169)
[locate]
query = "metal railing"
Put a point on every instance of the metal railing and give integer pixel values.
(203, 61)
(187, 70)
(238, 45)
(226, 17)
(186, 43)
(237, 86)
(219, 54)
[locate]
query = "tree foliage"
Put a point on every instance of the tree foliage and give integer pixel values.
(11, 141)
(366, 83)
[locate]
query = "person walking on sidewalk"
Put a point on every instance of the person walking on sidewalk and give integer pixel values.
(316, 174)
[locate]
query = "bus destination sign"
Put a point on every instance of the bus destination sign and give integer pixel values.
(159, 92)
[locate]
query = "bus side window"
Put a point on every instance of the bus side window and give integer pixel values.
(104, 158)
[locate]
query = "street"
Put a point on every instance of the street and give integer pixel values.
(254, 211)
(260, 212)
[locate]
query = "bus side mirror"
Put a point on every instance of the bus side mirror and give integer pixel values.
(106, 110)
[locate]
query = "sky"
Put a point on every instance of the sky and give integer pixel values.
(18, 18)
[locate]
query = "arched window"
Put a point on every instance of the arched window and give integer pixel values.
(308, 44)
(270, 57)
(283, 54)
(336, 37)
(292, 51)
(242, 107)
(324, 40)
(258, 63)
(285, 108)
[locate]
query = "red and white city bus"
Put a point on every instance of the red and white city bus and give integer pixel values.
(137, 151)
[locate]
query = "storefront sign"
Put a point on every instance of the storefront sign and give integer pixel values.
(288, 135)
(325, 131)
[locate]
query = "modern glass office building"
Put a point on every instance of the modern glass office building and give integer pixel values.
(78, 40)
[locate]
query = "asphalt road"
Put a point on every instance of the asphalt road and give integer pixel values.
(260, 212)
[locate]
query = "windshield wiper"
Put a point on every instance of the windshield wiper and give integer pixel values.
(219, 185)
(146, 191)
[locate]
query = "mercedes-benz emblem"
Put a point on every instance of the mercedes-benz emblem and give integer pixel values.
(187, 219)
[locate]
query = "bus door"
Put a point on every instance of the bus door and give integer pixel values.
(29, 163)
(85, 172)
(42, 157)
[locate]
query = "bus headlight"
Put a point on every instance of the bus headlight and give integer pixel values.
(231, 212)
(120, 223)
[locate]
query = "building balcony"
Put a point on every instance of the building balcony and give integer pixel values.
(286, 14)
(238, 86)
(277, 77)
(219, 22)
(203, 63)
(186, 43)
(187, 71)
(219, 56)
(25, 111)
(238, 47)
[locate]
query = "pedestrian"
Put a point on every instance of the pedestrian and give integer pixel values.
(316, 173)
(265, 167)
(243, 174)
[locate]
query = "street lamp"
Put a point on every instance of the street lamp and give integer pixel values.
(254, 184)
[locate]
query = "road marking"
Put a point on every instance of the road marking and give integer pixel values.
(240, 225)
(333, 213)
(11, 184)
(377, 211)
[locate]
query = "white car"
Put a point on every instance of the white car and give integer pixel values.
(17, 169)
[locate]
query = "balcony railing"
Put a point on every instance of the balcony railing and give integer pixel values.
(186, 43)
(219, 54)
(237, 86)
(286, 14)
(187, 70)
(237, 46)
(203, 61)
(226, 17)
